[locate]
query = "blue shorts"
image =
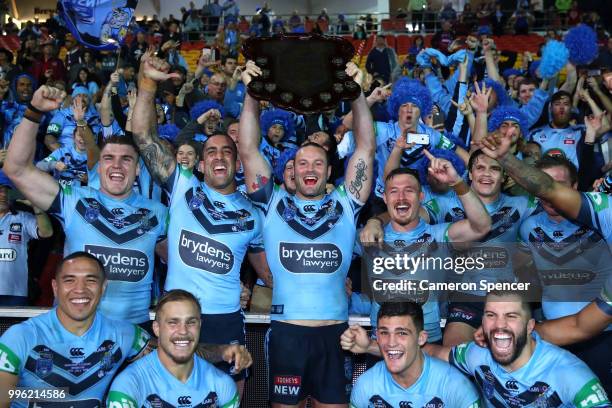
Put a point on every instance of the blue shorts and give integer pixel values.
(307, 361)
(226, 328)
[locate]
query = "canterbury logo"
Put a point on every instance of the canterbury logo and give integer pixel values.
(309, 208)
(77, 352)
(185, 400)
(511, 385)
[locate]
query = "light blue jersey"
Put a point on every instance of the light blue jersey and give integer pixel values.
(573, 262)
(308, 246)
(420, 241)
(208, 237)
(75, 161)
(147, 383)
(499, 245)
(564, 140)
(386, 135)
(47, 356)
(63, 125)
(553, 377)
(439, 385)
(16, 230)
(122, 234)
(144, 184)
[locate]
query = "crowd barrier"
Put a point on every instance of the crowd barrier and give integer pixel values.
(256, 389)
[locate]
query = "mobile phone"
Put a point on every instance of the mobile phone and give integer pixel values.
(418, 138)
(594, 72)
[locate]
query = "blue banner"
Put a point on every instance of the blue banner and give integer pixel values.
(98, 24)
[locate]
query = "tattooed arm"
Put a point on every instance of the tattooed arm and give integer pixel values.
(360, 172)
(159, 159)
(257, 171)
(535, 181)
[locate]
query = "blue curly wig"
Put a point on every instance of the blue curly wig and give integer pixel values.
(581, 41)
(449, 155)
(503, 113)
(277, 116)
(533, 67)
(502, 96)
(407, 90)
(554, 57)
(204, 106)
(281, 162)
(168, 131)
(511, 71)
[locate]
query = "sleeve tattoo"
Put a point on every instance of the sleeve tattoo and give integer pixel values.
(158, 159)
(356, 184)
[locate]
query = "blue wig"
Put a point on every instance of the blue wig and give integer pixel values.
(554, 57)
(504, 113)
(511, 71)
(533, 67)
(502, 97)
(581, 41)
(168, 131)
(204, 106)
(281, 162)
(407, 90)
(278, 116)
(449, 155)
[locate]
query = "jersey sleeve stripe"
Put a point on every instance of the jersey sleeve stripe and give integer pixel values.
(9, 362)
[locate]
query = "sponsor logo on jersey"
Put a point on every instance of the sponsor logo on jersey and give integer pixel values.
(205, 253)
(310, 258)
(77, 352)
(512, 385)
(493, 257)
(309, 208)
(15, 238)
(121, 264)
(16, 227)
(569, 141)
(184, 400)
(287, 384)
(8, 254)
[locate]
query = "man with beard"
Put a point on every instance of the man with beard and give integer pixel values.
(408, 377)
(559, 134)
(213, 226)
(306, 232)
(518, 368)
(173, 376)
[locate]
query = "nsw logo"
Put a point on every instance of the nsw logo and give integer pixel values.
(205, 253)
(121, 264)
(310, 258)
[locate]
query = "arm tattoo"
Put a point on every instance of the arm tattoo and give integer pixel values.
(360, 176)
(158, 159)
(210, 352)
(533, 180)
(259, 182)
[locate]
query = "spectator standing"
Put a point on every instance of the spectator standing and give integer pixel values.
(382, 60)
(342, 26)
(417, 7)
(442, 39)
(498, 19)
(49, 67)
(295, 22)
(448, 13)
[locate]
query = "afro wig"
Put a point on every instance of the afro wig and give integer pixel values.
(407, 90)
(204, 106)
(581, 41)
(504, 113)
(168, 132)
(502, 97)
(554, 57)
(281, 162)
(278, 116)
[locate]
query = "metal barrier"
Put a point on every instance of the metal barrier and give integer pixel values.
(256, 389)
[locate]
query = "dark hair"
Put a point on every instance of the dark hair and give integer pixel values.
(195, 145)
(528, 81)
(176, 295)
(547, 162)
(81, 254)
(224, 58)
(403, 170)
(313, 144)
(216, 134)
(475, 155)
(534, 143)
(560, 94)
(412, 309)
(521, 294)
(126, 140)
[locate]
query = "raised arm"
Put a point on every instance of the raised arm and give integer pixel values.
(93, 151)
(359, 172)
(535, 181)
(575, 328)
(159, 159)
(479, 101)
(395, 157)
(257, 171)
(477, 222)
(488, 47)
(37, 186)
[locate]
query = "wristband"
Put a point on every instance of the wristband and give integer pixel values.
(81, 123)
(461, 188)
(33, 109)
(32, 116)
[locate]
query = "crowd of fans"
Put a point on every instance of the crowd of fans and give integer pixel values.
(158, 171)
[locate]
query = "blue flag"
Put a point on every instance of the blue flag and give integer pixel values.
(98, 24)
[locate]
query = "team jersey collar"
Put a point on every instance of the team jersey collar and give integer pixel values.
(214, 193)
(167, 374)
(59, 327)
(422, 377)
(494, 206)
(530, 366)
(416, 231)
